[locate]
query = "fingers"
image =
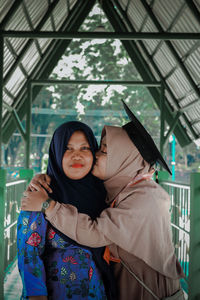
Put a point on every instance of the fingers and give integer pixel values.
(36, 186)
(40, 182)
(47, 179)
(45, 185)
(30, 188)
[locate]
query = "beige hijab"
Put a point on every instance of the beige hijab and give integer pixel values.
(124, 162)
(143, 220)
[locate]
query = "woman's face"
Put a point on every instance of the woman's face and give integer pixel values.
(99, 169)
(78, 159)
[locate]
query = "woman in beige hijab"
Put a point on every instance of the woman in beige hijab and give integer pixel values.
(136, 227)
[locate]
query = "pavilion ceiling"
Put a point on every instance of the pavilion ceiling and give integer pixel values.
(162, 39)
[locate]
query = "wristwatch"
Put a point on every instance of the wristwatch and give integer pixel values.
(46, 204)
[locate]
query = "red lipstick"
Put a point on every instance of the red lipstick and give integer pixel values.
(77, 166)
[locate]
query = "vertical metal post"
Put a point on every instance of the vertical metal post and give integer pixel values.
(2, 178)
(2, 212)
(28, 126)
(194, 254)
(173, 156)
(1, 95)
(162, 117)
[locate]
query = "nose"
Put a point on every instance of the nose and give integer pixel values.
(76, 154)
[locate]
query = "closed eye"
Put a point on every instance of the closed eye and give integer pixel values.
(103, 152)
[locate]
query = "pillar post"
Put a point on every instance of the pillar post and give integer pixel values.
(28, 126)
(2, 216)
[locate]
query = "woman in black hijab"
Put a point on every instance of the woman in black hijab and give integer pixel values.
(49, 262)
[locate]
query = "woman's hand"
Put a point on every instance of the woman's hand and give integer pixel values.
(32, 201)
(41, 180)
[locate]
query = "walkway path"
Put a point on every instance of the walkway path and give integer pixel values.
(12, 284)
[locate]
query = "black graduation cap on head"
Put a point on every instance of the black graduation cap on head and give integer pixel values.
(143, 141)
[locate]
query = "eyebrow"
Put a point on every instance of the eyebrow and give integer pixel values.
(85, 143)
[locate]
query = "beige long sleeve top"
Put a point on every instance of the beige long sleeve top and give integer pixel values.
(139, 224)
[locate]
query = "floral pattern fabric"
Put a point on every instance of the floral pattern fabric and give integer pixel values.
(48, 265)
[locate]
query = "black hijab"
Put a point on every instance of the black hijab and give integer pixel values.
(86, 194)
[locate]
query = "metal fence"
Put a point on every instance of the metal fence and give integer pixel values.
(185, 219)
(10, 197)
(180, 221)
(14, 191)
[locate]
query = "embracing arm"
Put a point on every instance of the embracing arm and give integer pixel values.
(65, 217)
(109, 228)
(79, 227)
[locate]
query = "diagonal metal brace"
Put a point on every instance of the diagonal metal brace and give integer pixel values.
(173, 125)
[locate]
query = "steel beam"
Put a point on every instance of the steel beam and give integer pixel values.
(8, 107)
(15, 116)
(192, 49)
(166, 36)
(171, 49)
(196, 15)
(93, 112)
(42, 82)
(196, 121)
(127, 6)
(174, 21)
(194, 10)
(14, 54)
(46, 65)
(145, 18)
(19, 124)
(7, 92)
(29, 43)
(179, 131)
(10, 13)
(28, 126)
(190, 105)
(173, 125)
(144, 69)
(68, 7)
(31, 26)
(162, 118)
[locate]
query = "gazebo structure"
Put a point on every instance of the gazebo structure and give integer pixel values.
(162, 38)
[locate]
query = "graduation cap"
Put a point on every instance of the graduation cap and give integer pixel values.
(143, 141)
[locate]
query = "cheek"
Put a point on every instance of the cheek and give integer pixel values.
(65, 160)
(89, 159)
(102, 164)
